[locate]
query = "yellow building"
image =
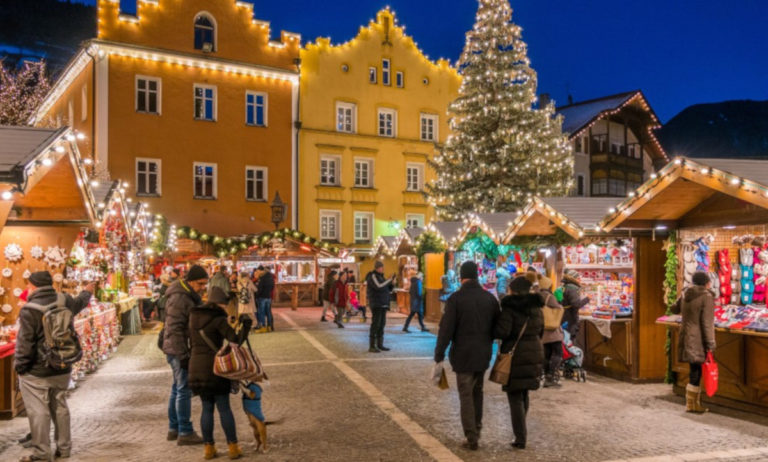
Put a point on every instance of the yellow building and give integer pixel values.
(193, 102)
(371, 112)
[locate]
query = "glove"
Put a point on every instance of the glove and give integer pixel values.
(185, 364)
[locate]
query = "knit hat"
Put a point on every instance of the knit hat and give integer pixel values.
(468, 270)
(520, 285)
(196, 273)
(41, 279)
(378, 264)
(218, 296)
(700, 278)
(545, 283)
(532, 276)
(573, 274)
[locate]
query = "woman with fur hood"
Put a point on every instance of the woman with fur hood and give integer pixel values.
(521, 322)
(572, 301)
(697, 334)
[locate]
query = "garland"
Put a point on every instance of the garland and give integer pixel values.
(670, 295)
(428, 242)
(231, 246)
(531, 243)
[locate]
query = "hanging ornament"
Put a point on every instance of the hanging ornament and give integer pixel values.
(7, 308)
(58, 277)
(2, 291)
(26, 274)
(17, 292)
(7, 272)
(55, 256)
(13, 252)
(36, 252)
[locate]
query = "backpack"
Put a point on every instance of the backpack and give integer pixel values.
(245, 295)
(62, 347)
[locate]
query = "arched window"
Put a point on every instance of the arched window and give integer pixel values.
(205, 32)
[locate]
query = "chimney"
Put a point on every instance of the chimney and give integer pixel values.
(544, 99)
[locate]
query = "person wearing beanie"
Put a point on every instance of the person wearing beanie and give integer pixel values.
(521, 326)
(378, 289)
(208, 328)
(44, 387)
(572, 301)
(181, 297)
(552, 339)
(697, 334)
(467, 326)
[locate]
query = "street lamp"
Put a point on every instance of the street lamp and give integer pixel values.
(278, 210)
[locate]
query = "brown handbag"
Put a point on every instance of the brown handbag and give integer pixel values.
(553, 317)
(503, 365)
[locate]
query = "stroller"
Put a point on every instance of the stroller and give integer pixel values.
(573, 358)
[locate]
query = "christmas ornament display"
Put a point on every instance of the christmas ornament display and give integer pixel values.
(58, 277)
(13, 252)
(7, 272)
(26, 274)
(36, 252)
(17, 292)
(55, 256)
(7, 308)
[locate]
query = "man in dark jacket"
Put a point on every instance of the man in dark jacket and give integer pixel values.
(378, 290)
(43, 387)
(467, 325)
(183, 295)
(264, 299)
(572, 301)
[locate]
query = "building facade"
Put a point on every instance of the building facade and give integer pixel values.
(194, 104)
(372, 112)
(615, 148)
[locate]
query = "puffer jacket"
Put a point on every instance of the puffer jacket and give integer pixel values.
(29, 357)
(266, 285)
(572, 301)
(181, 300)
(697, 331)
(550, 302)
(378, 290)
(528, 359)
(212, 320)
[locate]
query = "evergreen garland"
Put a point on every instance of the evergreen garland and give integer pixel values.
(428, 242)
(670, 295)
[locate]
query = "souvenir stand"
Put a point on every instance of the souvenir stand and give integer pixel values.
(717, 214)
(46, 202)
(614, 323)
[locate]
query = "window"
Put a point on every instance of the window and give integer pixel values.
(400, 79)
(577, 145)
(599, 187)
(585, 144)
(148, 177)
(617, 187)
(329, 225)
(363, 173)
(84, 103)
(256, 183)
(385, 72)
(580, 185)
(428, 127)
(205, 33)
(414, 174)
(205, 102)
(414, 220)
(363, 227)
(147, 95)
(205, 180)
(256, 109)
(329, 171)
(373, 73)
(387, 120)
(346, 117)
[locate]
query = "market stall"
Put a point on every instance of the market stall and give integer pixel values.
(717, 214)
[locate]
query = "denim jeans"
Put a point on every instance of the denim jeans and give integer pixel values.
(265, 312)
(180, 402)
(225, 415)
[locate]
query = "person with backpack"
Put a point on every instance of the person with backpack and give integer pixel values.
(208, 328)
(246, 299)
(46, 347)
(572, 301)
(183, 295)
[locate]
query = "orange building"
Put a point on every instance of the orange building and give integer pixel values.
(192, 101)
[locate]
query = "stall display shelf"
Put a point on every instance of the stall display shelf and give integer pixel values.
(669, 321)
(601, 267)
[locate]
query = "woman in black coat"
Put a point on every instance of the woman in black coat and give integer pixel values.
(521, 318)
(213, 390)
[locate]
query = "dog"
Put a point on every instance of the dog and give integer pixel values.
(252, 407)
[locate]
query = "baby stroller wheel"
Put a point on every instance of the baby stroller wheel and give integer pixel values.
(583, 375)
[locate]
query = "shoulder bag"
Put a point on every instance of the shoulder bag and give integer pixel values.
(552, 316)
(503, 364)
(234, 362)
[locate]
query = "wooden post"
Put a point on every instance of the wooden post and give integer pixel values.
(295, 297)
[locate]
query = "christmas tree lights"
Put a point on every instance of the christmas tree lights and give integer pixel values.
(503, 151)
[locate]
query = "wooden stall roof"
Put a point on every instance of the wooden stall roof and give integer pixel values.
(683, 185)
(448, 231)
(385, 245)
(406, 239)
(576, 216)
(43, 170)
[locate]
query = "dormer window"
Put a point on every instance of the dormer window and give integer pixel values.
(205, 33)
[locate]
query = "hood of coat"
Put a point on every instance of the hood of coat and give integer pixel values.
(694, 292)
(202, 315)
(43, 295)
(522, 303)
(180, 287)
(569, 280)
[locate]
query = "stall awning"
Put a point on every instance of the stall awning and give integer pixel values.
(448, 231)
(574, 215)
(683, 185)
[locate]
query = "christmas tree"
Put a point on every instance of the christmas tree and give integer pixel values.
(502, 150)
(22, 92)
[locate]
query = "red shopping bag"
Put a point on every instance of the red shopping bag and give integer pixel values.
(710, 374)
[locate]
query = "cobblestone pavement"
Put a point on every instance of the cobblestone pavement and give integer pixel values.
(335, 402)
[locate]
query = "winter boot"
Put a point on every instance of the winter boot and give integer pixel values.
(234, 451)
(699, 408)
(210, 451)
(551, 381)
(693, 399)
(380, 344)
(322, 319)
(372, 348)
